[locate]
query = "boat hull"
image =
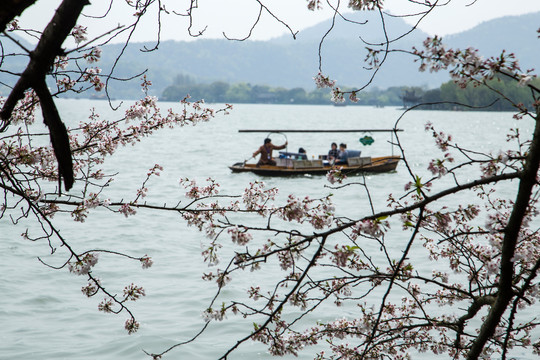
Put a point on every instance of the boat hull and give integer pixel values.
(377, 165)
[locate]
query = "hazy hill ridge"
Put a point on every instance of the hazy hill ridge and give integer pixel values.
(515, 34)
(293, 63)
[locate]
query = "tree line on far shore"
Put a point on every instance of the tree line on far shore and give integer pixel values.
(447, 97)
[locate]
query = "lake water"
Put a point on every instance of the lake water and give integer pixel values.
(43, 314)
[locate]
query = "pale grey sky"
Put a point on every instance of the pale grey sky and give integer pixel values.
(235, 17)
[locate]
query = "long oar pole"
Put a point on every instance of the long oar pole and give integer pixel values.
(245, 161)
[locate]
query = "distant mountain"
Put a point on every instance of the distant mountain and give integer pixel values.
(516, 34)
(293, 63)
(343, 50)
(283, 61)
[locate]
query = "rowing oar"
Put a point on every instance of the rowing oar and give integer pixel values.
(245, 161)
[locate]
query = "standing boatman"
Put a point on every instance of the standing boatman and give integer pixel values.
(266, 152)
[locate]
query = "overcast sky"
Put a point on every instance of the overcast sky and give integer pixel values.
(234, 17)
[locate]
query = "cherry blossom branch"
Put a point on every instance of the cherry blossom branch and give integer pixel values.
(505, 293)
(281, 304)
(519, 297)
(397, 270)
(84, 262)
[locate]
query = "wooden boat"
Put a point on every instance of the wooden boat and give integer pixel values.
(289, 164)
(318, 167)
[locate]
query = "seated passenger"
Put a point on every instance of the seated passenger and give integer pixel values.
(343, 155)
(333, 153)
(266, 152)
(302, 154)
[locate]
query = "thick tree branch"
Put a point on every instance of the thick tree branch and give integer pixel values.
(11, 9)
(42, 58)
(41, 61)
(505, 293)
(58, 133)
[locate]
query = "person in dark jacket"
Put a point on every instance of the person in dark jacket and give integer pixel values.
(333, 153)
